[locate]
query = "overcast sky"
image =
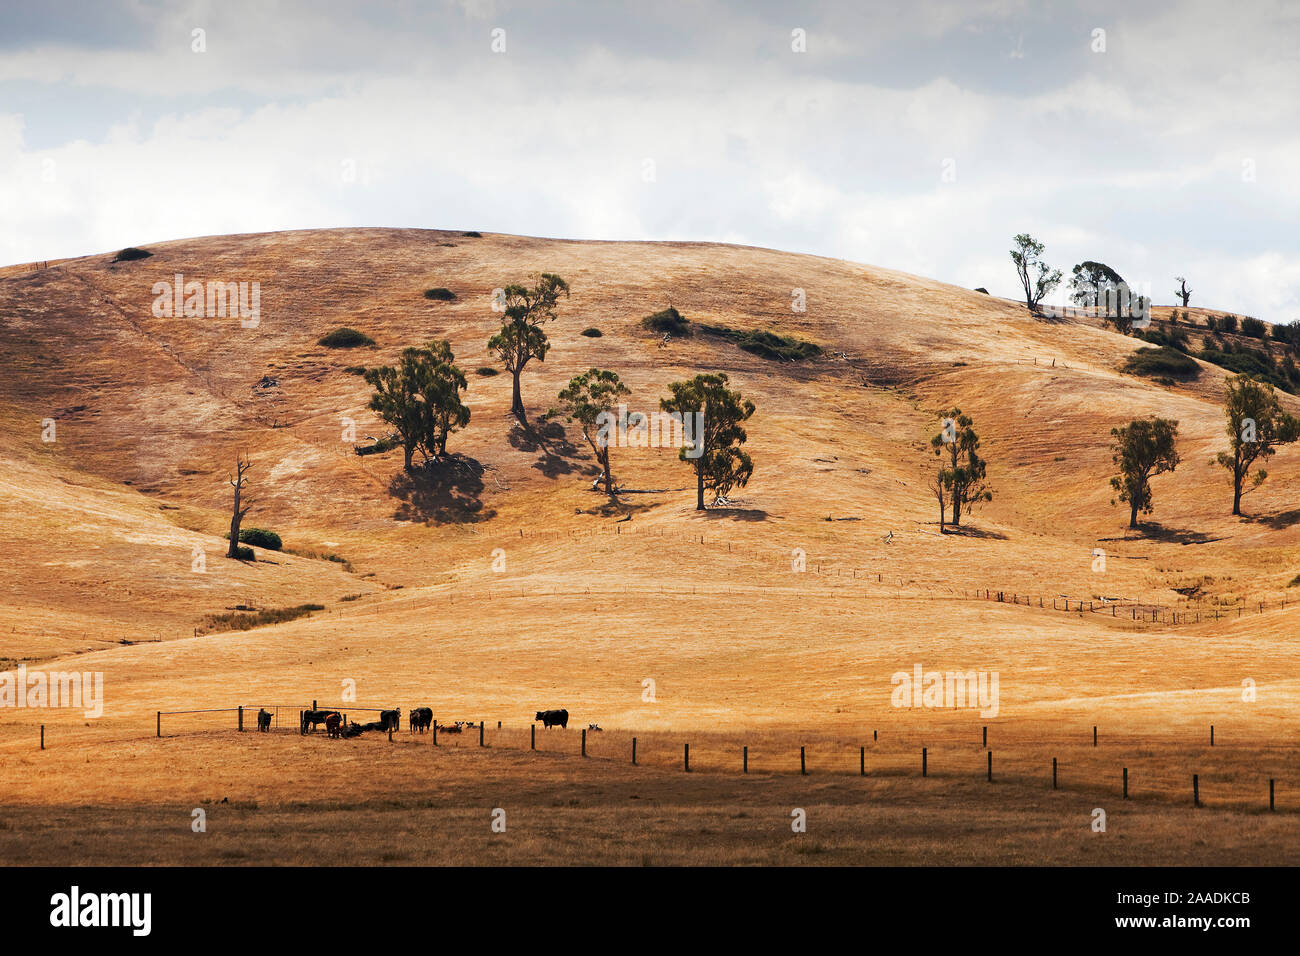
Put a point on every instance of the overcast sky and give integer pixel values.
(917, 135)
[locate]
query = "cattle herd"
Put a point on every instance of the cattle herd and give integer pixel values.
(419, 720)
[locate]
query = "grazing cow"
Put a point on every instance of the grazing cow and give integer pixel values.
(332, 725)
(420, 719)
(550, 718)
(311, 718)
(263, 720)
(390, 719)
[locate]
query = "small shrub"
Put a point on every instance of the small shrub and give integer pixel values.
(1253, 328)
(131, 254)
(247, 620)
(982, 289)
(486, 370)
(1162, 363)
(668, 320)
(355, 370)
(768, 345)
(472, 234)
(1295, 581)
(441, 295)
(387, 443)
(261, 538)
(243, 554)
(1228, 323)
(345, 338)
(1212, 323)
(592, 333)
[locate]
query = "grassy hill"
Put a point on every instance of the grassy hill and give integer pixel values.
(96, 550)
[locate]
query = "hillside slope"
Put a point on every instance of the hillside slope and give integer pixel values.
(151, 413)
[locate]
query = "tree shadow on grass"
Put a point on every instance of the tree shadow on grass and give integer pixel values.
(448, 491)
(1278, 521)
(966, 531)
(725, 513)
(1154, 531)
(549, 438)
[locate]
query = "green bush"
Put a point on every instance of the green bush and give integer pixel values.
(345, 338)
(472, 234)
(131, 254)
(592, 333)
(486, 370)
(1253, 328)
(1228, 323)
(667, 320)
(442, 295)
(1163, 362)
(387, 443)
(242, 553)
(1246, 361)
(261, 538)
(768, 345)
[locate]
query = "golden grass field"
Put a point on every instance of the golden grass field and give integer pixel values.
(100, 525)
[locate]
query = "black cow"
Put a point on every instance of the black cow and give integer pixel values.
(263, 720)
(420, 719)
(390, 719)
(310, 718)
(353, 729)
(550, 718)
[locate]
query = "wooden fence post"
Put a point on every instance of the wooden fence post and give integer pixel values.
(634, 751)
(1053, 773)
(160, 723)
(687, 758)
(435, 731)
(1126, 783)
(923, 762)
(1270, 783)
(1094, 735)
(1211, 735)
(990, 766)
(745, 764)
(803, 764)
(862, 761)
(481, 724)
(1271, 805)
(584, 743)
(875, 735)
(986, 735)
(1196, 790)
(241, 718)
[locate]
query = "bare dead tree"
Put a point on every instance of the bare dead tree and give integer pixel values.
(1182, 291)
(242, 503)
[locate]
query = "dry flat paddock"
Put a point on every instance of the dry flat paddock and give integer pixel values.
(286, 799)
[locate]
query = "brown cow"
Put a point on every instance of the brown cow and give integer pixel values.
(332, 723)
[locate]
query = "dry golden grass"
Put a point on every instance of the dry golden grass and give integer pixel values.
(96, 550)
